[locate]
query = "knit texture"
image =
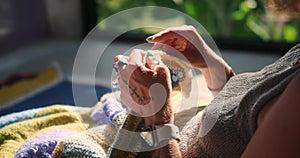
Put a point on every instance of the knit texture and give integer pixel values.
(71, 131)
(42, 145)
(17, 117)
(106, 113)
(12, 136)
(92, 143)
(226, 126)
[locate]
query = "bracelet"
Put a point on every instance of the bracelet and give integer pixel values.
(154, 135)
(229, 74)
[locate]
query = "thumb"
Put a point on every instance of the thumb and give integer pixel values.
(159, 37)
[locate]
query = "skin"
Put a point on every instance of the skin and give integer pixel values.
(191, 45)
(140, 76)
(278, 129)
(278, 122)
(142, 72)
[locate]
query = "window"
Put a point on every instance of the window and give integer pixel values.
(241, 24)
(22, 22)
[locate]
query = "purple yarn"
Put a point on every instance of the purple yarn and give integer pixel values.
(112, 107)
(99, 116)
(42, 145)
(106, 113)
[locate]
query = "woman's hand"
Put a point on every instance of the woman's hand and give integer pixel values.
(145, 87)
(187, 41)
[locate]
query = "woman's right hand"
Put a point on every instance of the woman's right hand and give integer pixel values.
(187, 41)
(145, 86)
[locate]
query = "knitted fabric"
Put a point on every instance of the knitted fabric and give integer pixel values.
(12, 136)
(42, 145)
(92, 143)
(17, 117)
(95, 141)
(30, 131)
(44, 123)
(108, 112)
(240, 101)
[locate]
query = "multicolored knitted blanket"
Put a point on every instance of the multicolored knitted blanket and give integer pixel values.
(59, 130)
(65, 131)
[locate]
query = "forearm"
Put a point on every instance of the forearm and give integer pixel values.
(169, 148)
(217, 72)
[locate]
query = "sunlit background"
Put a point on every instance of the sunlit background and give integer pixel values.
(239, 19)
(38, 34)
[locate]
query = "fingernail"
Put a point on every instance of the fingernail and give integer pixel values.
(149, 38)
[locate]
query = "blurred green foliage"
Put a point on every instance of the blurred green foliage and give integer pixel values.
(221, 18)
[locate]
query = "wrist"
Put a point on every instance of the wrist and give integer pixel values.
(217, 74)
(159, 120)
(171, 149)
(164, 116)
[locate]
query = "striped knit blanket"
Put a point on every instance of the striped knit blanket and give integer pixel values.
(59, 130)
(65, 131)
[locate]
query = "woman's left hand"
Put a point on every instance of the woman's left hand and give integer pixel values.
(145, 87)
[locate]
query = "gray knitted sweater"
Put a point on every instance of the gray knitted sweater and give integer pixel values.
(229, 122)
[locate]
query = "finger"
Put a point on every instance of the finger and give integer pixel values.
(168, 49)
(139, 91)
(176, 42)
(169, 33)
(136, 57)
(125, 95)
(126, 72)
(158, 68)
(120, 57)
(163, 77)
(152, 62)
(119, 62)
(155, 37)
(162, 71)
(135, 60)
(141, 78)
(136, 76)
(158, 46)
(163, 47)
(134, 95)
(163, 37)
(165, 33)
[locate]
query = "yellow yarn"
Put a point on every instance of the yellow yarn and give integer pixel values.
(19, 132)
